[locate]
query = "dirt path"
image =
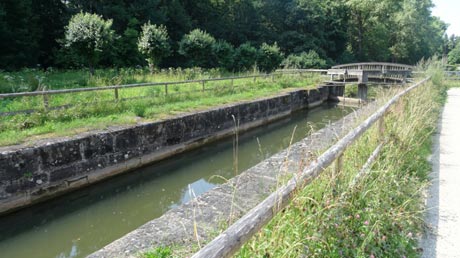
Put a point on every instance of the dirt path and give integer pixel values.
(442, 238)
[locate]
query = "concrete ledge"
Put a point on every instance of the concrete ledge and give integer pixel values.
(29, 175)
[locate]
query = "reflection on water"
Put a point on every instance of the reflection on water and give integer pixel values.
(84, 221)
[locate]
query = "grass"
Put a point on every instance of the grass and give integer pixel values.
(159, 252)
(382, 215)
(53, 79)
(98, 110)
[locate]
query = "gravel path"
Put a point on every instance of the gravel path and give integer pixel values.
(442, 238)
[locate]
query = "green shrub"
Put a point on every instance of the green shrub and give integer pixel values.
(224, 53)
(154, 44)
(245, 57)
(197, 46)
(454, 55)
(87, 34)
(270, 57)
(304, 60)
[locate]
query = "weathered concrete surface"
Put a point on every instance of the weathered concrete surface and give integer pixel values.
(29, 174)
(442, 238)
(218, 208)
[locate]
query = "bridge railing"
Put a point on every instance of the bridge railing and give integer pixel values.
(452, 75)
(375, 67)
(232, 239)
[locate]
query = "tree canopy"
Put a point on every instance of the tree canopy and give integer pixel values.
(88, 34)
(337, 30)
(154, 43)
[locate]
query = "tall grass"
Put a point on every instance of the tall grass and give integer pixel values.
(379, 216)
(96, 110)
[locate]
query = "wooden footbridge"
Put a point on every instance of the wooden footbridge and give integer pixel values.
(364, 73)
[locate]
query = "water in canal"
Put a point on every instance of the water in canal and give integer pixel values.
(84, 221)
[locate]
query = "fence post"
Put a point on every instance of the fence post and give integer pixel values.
(45, 101)
(166, 89)
(381, 128)
(202, 85)
(273, 77)
(116, 94)
(337, 169)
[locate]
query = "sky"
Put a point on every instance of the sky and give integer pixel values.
(449, 12)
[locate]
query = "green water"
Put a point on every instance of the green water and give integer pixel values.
(84, 221)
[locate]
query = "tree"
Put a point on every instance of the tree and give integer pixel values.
(454, 55)
(245, 57)
(304, 60)
(270, 57)
(224, 53)
(87, 34)
(197, 47)
(154, 44)
(18, 31)
(51, 17)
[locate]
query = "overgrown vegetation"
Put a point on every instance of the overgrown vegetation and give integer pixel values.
(381, 215)
(97, 110)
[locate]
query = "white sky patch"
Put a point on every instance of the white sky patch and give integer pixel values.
(449, 12)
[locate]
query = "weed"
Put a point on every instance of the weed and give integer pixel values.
(159, 252)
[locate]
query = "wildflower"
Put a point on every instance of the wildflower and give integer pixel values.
(357, 216)
(366, 222)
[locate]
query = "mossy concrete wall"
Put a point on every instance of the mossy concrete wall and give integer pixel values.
(32, 174)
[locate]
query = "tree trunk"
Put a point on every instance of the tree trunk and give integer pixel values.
(91, 70)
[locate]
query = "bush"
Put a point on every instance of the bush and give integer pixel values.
(197, 46)
(154, 44)
(454, 55)
(245, 57)
(87, 34)
(224, 53)
(270, 57)
(304, 61)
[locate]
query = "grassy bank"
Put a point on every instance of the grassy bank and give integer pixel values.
(97, 110)
(382, 214)
(54, 79)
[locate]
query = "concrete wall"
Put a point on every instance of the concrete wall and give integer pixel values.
(32, 174)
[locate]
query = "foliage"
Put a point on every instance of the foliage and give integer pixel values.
(246, 57)
(154, 43)
(159, 252)
(197, 46)
(270, 57)
(88, 34)
(304, 60)
(224, 53)
(357, 30)
(378, 215)
(454, 55)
